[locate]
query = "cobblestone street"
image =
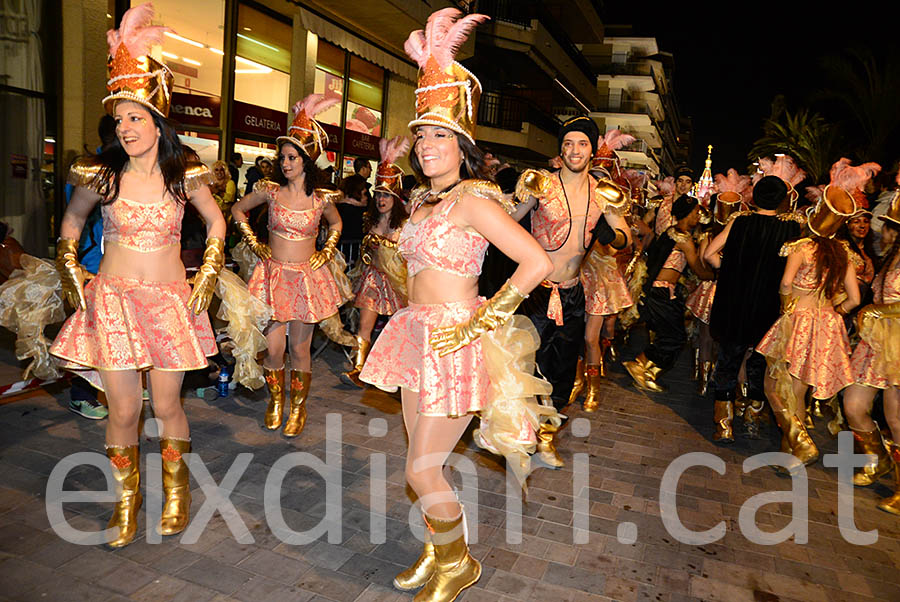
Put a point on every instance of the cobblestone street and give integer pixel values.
(631, 441)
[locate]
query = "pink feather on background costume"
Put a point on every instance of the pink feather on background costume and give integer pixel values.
(615, 139)
(135, 32)
(732, 182)
(666, 186)
(852, 178)
(391, 150)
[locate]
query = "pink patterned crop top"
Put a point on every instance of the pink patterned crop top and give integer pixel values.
(551, 220)
(291, 224)
(886, 286)
(144, 227)
(805, 278)
(437, 243)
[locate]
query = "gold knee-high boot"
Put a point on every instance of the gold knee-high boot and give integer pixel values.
(128, 493)
(723, 416)
(798, 439)
(869, 442)
(454, 568)
(299, 391)
(546, 445)
(176, 486)
(275, 409)
(362, 352)
(421, 570)
(592, 397)
(578, 385)
(892, 504)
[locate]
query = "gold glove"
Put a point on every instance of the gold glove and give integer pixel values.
(205, 279)
(320, 258)
(489, 315)
(71, 273)
(369, 243)
(532, 183)
(876, 311)
(261, 249)
(788, 303)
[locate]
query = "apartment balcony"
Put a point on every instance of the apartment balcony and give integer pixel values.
(516, 126)
(643, 68)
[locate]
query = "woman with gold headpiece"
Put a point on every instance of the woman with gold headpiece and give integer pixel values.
(442, 350)
(304, 286)
(876, 365)
(139, 313)
(380, 286)
(808, 347)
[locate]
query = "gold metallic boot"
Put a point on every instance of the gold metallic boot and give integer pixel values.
(723, 415)
(696, 372)
(578, 385)
(128, 481)
(752, 418)
(176, 487)
(362, 352)
(299, 390)
(892, 504)
(592, 397)
(635, 368)
(415, 576)
(869, 442)
(454, 568)
(799, 441)
(275, 409)
(706, 369)
(606, 346)
(546, 446)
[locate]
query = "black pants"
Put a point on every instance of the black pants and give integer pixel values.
(665, 318)
(557, 357)
(728, 364)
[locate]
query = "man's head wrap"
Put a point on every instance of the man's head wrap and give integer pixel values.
(583, 124)
(769, 192)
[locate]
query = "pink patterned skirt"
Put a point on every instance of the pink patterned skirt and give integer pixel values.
(133, 324)
(876, 359)
(813, 343)
(295, 291)
(453, 385)
(374, 292)
(605, 290)
(700, 301)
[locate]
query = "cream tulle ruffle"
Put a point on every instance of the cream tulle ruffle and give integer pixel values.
(246, 318)
(30, 300)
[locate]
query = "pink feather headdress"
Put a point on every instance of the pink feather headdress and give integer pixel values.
(732, 182)
(607, 144)
(447, 94)
(389, 177)
(731, 189)
(305, 132)
(853, 178)
(666, 186)
(133, 74)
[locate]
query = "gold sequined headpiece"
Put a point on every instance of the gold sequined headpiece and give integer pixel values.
(133, 74)
(388, 176)
(448, 93)
(304, 131)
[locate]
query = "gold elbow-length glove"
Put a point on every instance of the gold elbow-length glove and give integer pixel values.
(320, 258)
(876, 311)
(788, 303)
(261, 249)
(71, 272)
(491, 314)
(205, 279)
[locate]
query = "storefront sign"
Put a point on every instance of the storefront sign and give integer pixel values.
(334, 137)
(252, 119)
(19, 165)
(193, 109)
(363, 145)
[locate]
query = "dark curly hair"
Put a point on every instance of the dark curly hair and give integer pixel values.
(370, 217)
(314, 175)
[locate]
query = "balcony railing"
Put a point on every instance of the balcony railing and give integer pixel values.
(626, 68)
(508, 112)
(613, 105)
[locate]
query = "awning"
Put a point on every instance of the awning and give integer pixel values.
(356, 45)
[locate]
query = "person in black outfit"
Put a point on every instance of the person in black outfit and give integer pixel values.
(234, 167)
(747, 301)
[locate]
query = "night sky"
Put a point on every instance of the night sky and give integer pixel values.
(729, 67)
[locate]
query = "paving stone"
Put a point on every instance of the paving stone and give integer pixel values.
(215, 575)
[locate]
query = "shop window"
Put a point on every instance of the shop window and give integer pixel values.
(263, 60)
(365, 97)
(194, 51)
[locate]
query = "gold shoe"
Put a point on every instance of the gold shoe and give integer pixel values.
(578, 385)
(816, 406)
(635, 369)
(299, 390)
(454, 568)
(415, 576)
(892, 504)
(275, 409)
(706, 369)
(651, 373)
(546, 446)
(176, 487)
(362, 353)
(740, 404)
(798, 439)
(752, 418)
(723, 415)
(128, 493)
(592, 375)
(869, 442)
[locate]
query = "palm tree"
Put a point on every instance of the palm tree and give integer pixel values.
(804, 135)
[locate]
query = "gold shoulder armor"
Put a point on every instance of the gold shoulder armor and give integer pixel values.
(789, 247)
(533, 182)
(738, 214)
(793, 216)
(85, 172)
(328, 195)
(196, 176)
(678, 236)
(485, 189)
(267, 187)
(418, 194)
